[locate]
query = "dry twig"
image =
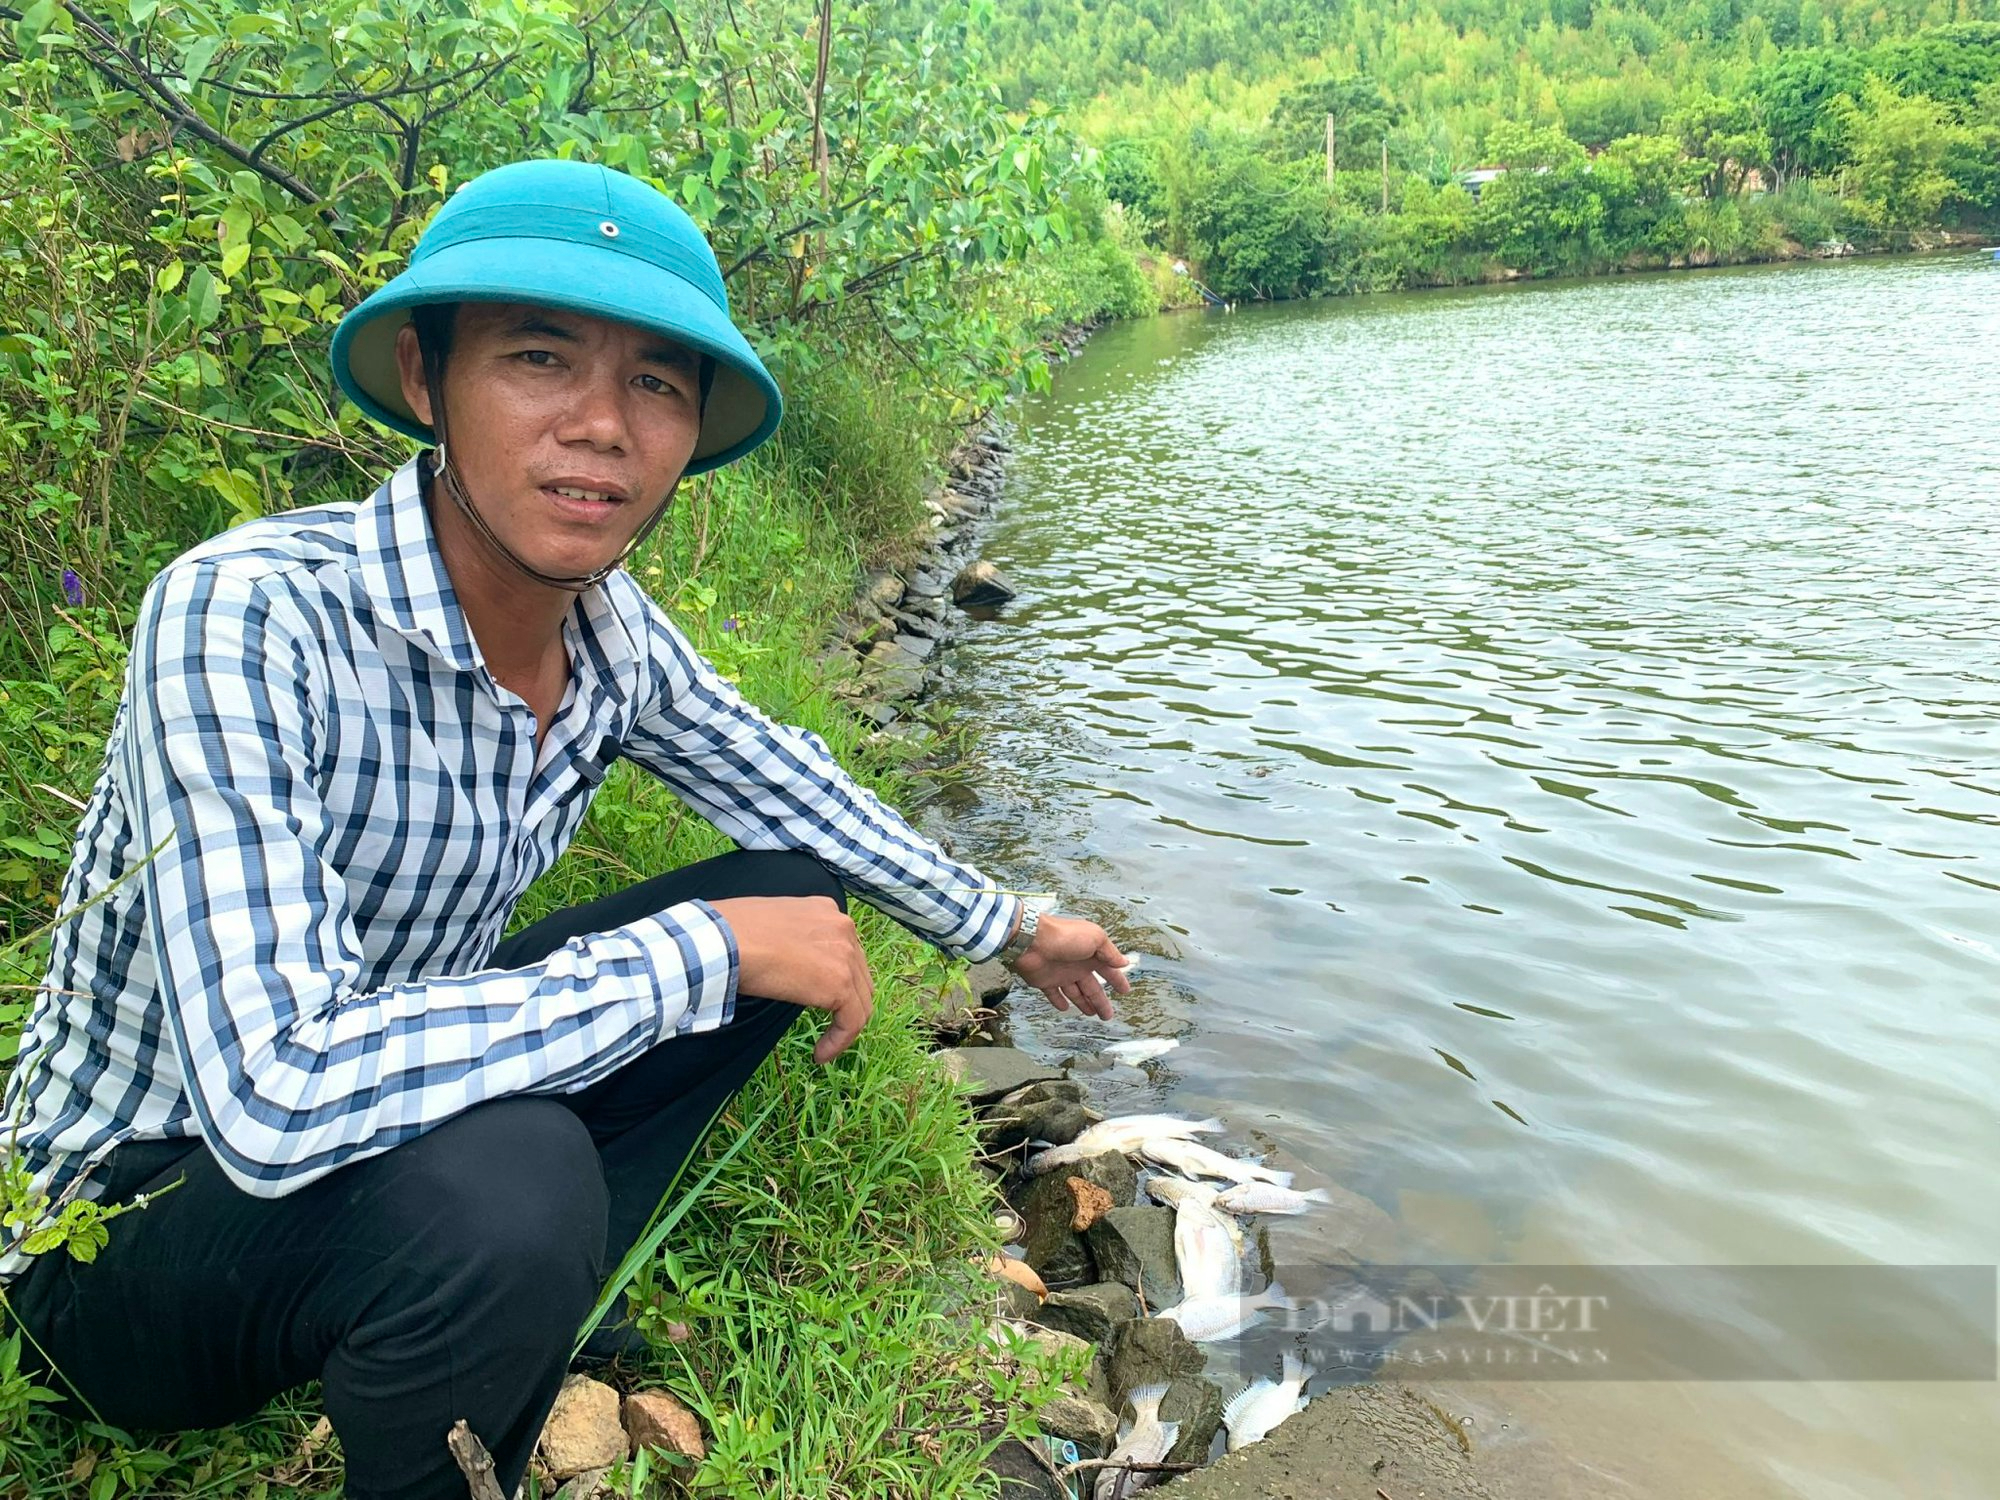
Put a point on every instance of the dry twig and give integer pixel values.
(474, 1462)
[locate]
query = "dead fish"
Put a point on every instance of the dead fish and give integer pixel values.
(1206, 1250)
(1206, 1319)
(1126, 1133)
(1265, 1403)
(1269, 1198)
(1147, 1441)
(1140, 1049)
(1174, 1191)
(1197, 1160)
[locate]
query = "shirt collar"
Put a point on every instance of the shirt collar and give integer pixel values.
(404, 572)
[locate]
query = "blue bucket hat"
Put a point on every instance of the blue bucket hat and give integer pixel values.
(584, 238)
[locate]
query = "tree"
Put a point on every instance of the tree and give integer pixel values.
(1598, 111)
(1132, 176)
(1975, 165)
(1899, 154)
(1950, 64)
(1257, 226)
(1362, 116)
(1643, 181)
(1543, 213)
(1725, 134)
(1792, 93)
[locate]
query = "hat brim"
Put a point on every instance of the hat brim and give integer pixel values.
(743, 407)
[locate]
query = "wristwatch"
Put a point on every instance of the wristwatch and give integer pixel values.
(1024, 935)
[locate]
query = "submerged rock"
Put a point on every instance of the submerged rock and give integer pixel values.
(1057, 1121)
(1136, 1246)
(1051, 1246)
(1062, 1089)
(986, 1073)
(1362, 1440)
(981, 585)
(1092, 1203)
(1078, 1062)
(990, 980)
(1049, 1205)
(1110, 1170)
(1012, 1300)
(1022, 1476)
(898, 681)
(1054, 1120)
(882, 590)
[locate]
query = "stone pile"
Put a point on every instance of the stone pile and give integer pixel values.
(1106, 1256)
(1092, 1261)
(591, 1427)
(900, 617)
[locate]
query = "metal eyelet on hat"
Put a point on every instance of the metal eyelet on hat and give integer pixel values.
(608, 229)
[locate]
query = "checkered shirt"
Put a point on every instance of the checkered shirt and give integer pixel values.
(349, 807)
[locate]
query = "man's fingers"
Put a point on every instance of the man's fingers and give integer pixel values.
(848, 1019)
(1091, 997)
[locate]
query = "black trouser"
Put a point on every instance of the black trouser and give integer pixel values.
(446, 1278)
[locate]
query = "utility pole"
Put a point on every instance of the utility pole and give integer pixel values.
(1329, 150)
(1385, 174)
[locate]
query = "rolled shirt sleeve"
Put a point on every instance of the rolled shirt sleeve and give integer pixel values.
(775, 786)
(292, 1069)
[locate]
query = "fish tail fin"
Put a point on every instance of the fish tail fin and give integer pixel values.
(1274, 1295)
(1146, 1401)
(1296, 1369)
(1278, 1179)
(1210, 1126)
(1317, 1195)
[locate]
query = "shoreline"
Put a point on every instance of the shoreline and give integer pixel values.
(1933, 242)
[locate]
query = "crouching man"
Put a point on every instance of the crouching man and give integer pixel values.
(358, 733)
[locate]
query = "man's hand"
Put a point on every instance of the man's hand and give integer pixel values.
(803, 950)
(1065, 962)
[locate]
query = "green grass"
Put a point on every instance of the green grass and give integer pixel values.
(826, 1274)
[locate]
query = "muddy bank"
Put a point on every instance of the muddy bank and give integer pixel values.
(1366, 1441)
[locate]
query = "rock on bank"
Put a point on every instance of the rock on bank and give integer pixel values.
(1359, 1442)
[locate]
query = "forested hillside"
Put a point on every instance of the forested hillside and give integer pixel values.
(1688, 131)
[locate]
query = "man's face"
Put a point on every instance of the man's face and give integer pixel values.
(567, 430)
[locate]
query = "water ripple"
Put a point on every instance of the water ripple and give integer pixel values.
(1564, 725)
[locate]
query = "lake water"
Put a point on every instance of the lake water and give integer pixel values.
(1555, 728)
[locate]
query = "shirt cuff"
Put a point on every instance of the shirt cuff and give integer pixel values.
(706, 975)
(990, 936)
